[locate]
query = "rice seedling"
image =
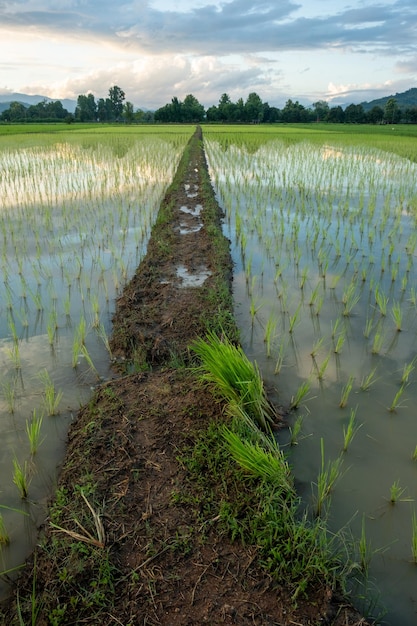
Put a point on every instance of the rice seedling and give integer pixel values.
(350, 430)
(14, 353)
(397, 402)
(340, 342)
(378, 341)
(21, 477)
(294, 319)
(101, 332)
(269, 334)
(314, 294)
(414, 537)
(295, 430)
(328, 476)
(33, 431)
(9, 394)
(368, 380)
(365, 550)
(381, 301)
(414, 455)
(408, 368)
(346, 389)
(76, 349)
(321, 370)
(254, 308)
(316, 347)
(350, 299)
(397, 315)
(396, 492)
(85, 353)
(4, 535)
(280, 358)
(51, 397)
(300, 394)
(236, 379)
(368, 327)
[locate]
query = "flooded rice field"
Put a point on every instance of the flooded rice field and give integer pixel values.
(324, 242)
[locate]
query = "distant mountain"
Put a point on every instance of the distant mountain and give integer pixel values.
(405, 99)
(26, 100)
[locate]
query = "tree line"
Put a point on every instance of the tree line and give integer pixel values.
(253, 110)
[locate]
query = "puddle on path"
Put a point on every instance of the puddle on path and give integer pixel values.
(193, 279)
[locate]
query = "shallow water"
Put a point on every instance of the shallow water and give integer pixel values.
(318, 234)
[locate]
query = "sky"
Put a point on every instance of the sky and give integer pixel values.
(341, 51)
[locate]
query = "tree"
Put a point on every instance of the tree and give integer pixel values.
(16, 112)
(104, 110)
(392, 113)
(116, 98)
(86, 109)
(336, 115)
(355, 114)
(254, 109)
(225, 108)
(192, 110)
(321, 110)
(294, 112)
(376, 115)
(128, 113)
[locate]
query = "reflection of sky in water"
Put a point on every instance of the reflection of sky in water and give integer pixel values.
(74, 224)
(337, 222)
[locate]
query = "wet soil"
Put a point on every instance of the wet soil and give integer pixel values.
(162, 558)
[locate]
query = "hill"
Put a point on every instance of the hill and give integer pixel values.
(7, 98)
(405, 99)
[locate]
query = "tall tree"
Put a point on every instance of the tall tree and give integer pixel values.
(254, 108)
(86, 109)
(117, 98)
(128, 113)
(192, 110)
(392, 113)
(321, 110)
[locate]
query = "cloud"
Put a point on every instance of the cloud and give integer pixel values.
(236, 26)
(207, 47)
(154, 81)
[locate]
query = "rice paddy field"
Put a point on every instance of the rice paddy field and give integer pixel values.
(323, 227)
(322, 224)
(76, 208)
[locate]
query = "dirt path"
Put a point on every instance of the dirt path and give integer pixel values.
(164, 557)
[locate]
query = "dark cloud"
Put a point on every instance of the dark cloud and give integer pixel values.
(238, 26)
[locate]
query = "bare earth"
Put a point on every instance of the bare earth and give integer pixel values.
(163, 560)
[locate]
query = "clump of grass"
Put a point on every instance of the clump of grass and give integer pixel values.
(236, 378)
(270, 465)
